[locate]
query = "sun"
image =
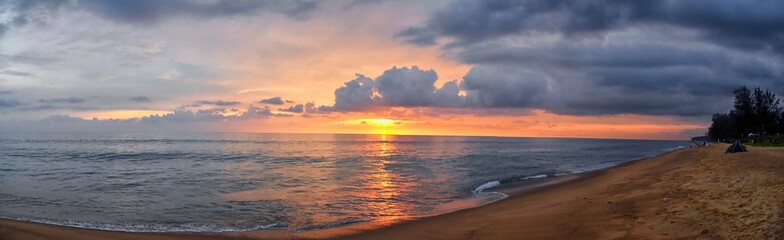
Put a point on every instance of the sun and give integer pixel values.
(379, 125)
(381, 122)
(383, 126)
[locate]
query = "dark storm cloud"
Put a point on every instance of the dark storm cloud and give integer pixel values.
(640, 55)
(757, 25)
(140, 99)
(616, 79)
(503, 87)
(596, 57)
(218, 103)
(63, 100)
(272, 100)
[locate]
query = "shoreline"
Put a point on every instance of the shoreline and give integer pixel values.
(482, 195)
(537, 212)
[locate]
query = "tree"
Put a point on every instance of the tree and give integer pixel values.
(722, 127)
(743, 114)
(755, 111)
(766, 111)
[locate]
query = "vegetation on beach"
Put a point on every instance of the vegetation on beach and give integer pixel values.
(756, 117)
(776, 141)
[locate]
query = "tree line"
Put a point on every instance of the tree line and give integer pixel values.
(756, 114)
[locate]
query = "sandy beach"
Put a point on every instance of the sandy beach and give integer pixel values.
(696, 193)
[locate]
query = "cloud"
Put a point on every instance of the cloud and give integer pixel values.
(63, 100)
(210, 115)
(218, 103)
(299, 108)
(21, 12)
(140, 99)
(146, 12)
(16, 73)
(9, 103)
(730, 23)
(356, 94)
(309, 107)
(6, 92)
(596, 57)
(357, 3)
(272, 100)
(396, 87)
(406, 86)
(597, 87)
(491, 86)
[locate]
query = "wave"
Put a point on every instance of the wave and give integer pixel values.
(196, 228)
(328, 226)
(480, 190)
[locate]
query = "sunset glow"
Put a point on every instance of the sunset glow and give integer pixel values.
(322, 70)
(122, 114)
(336, 119)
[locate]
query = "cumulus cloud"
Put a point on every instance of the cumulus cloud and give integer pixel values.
(273, 101)
(406, 86)
(354, 95)
(396, 87)
(487, 86)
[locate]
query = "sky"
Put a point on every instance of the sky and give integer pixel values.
(547, 68)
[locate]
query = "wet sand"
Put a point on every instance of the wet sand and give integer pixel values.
(698, 193)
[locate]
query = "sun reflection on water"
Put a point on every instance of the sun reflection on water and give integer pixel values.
(385, 187)
(375, 183)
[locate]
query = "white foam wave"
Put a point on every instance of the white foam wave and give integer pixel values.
(535, 176)
(151, 227)
(492, 184)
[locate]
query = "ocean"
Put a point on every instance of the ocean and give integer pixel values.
(216, 182)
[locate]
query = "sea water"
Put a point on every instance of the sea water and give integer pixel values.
(213, 182)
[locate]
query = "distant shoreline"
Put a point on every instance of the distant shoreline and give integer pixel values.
(665, 196)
